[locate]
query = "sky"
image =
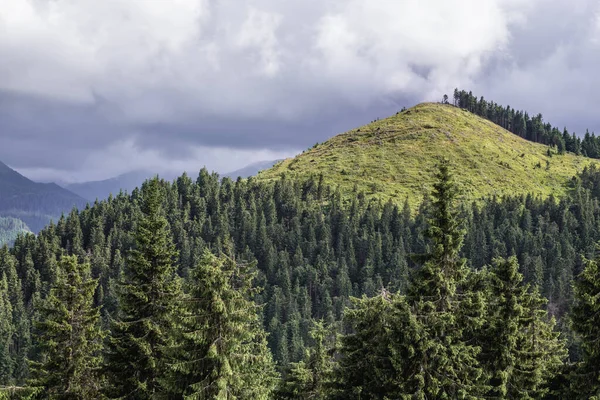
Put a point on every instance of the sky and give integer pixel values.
(91, 89)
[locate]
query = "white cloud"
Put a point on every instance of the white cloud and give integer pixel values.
(284, 64)
(214, 56)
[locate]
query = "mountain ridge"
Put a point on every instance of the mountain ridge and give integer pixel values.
(32, 203)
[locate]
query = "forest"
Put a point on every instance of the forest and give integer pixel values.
(532, 128)
(210, 288)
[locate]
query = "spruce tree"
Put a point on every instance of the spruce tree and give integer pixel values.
(310, 377)
(377, 358)
(223, 353)
(69, 336)
(148, 296)
(7, 331)
(19, 341)
(445, 364)
(521, 352)
(585, 320)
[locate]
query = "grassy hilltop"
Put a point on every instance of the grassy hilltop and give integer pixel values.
(395, 157)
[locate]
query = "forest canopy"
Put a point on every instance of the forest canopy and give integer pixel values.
(325, 286)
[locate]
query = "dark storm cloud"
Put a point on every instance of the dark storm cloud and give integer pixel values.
(42, 132)
(91, 89)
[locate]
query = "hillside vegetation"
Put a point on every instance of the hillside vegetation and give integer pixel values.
(396, 157)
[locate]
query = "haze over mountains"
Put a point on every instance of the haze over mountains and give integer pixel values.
(31, 202)
(127, 182)
(28, 206)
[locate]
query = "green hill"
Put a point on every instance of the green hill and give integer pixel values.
(395, 157)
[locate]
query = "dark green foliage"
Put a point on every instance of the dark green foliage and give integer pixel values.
(418, 347)
(6, 333)
(521, 353)
(585, 318)
(445, 364)
(313, 251)
(311, 377)
(148, 295)
(223, 353)
(378, 354)
(69, 337)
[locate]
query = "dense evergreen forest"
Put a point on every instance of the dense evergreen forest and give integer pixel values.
(215, 289)
(532, 128)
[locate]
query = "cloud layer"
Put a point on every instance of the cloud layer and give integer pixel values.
(89, 89)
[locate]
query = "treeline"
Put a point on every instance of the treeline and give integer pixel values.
(532, 128)
(313, 252)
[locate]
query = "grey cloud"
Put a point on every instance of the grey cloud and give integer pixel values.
(550, 65)
(172, 82)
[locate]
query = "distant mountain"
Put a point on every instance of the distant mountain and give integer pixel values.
(394, 158)
(34, 204)
(251, 170)
(102, 189)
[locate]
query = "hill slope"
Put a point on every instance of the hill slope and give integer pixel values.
(395, 157)
(32, 203)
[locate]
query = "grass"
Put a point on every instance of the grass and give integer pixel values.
(395, 158)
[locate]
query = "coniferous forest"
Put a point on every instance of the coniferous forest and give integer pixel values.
(532, 128)
(209, 288)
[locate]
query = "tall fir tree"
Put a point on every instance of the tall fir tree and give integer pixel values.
(521, 352)
(223, 353)
(148, 299)
(7, 331)
(310, 378)
(69, 336)
(20, 341)
(585, 321)
(445, 364)
(376, 356)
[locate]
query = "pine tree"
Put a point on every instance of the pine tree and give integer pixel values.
(6, 333)
(309, 378)
(223, 353)
(148, 296)
(376, 357)
(522, 353)
(541, 351)
(445, 365)
(585, 318)
(69, 336)
(19, 342)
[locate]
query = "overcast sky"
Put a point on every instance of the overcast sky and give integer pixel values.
(90, 89)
